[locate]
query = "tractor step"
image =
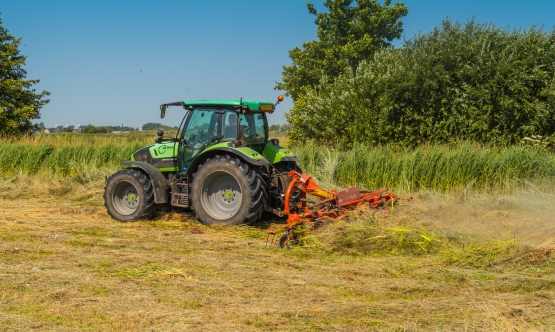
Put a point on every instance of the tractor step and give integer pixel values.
(180, 193)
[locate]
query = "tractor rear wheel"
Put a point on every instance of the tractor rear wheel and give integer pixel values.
(227, 191)
(129, 195)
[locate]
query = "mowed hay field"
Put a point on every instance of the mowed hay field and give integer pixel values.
(460, 260)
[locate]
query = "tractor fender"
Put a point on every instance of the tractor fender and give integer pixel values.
(276, 153)
(158, 180)
(232, 152)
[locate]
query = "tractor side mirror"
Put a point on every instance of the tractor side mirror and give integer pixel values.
(160, 133)
(163, 110)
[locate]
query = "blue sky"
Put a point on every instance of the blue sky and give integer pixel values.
(114, 62)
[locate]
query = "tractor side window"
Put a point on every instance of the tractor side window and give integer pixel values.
(253, 129)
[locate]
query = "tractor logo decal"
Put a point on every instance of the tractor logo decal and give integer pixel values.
(131, 197)
(162, 149)
(228, 194)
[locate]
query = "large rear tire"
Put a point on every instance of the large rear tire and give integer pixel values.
(227, 191)
(129, 195)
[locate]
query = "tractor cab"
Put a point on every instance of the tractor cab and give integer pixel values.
(205, 127)
(238, 126)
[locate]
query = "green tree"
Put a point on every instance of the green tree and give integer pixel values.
(275, 127)
(347, 34)
(19, 103)
(89, 129)
(40, 126)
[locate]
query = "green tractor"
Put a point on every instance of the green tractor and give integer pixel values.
(221, 165)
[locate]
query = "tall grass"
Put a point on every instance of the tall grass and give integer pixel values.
(60, 161)
(439, 168)
(67, 155)
(67, 139)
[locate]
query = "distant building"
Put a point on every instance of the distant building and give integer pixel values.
(61, 129)
(52, 130)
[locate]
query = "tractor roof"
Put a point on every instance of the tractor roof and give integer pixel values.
(250, 105)
(253, 105)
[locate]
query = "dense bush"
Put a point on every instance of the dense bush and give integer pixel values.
(471, 82)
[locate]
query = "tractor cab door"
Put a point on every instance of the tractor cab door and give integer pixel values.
(200, 128)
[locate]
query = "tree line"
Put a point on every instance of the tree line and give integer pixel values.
(461, 81)
(277, 128)
(90, 129)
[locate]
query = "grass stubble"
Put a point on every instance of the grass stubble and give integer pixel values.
(457, 261)
(64, 265)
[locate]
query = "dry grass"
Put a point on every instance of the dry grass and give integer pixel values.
(65, 265)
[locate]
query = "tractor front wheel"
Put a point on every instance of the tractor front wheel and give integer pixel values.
(129, 195)
(227, 191)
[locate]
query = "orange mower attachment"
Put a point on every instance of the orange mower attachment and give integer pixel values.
(334, 206)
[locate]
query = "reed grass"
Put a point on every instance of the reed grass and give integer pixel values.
(447, 169)
(68, 139)
(440, 168)
(71, 158)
